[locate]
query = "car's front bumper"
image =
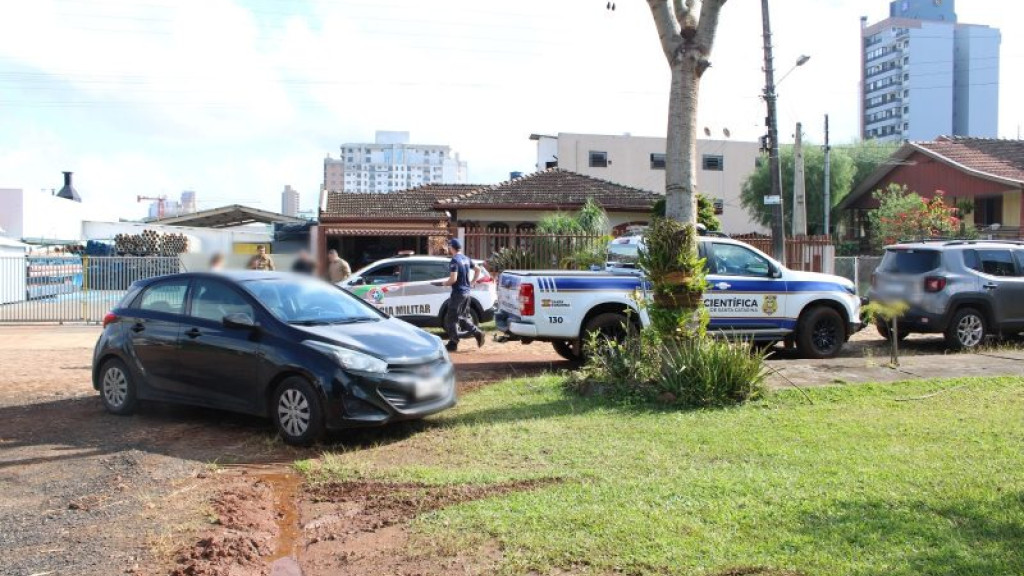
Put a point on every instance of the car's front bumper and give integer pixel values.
(403, 393)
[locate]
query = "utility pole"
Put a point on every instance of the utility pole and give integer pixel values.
(775, 166)
(799, 185)
(828, 182)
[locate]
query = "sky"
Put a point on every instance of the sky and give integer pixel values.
(235, 99)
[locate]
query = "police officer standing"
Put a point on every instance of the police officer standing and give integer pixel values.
(457, 316)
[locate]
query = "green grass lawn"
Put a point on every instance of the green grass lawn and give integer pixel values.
(857, 483)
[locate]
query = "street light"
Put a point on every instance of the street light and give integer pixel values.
(800, 62)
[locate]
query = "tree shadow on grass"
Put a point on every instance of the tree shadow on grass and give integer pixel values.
(959, 537)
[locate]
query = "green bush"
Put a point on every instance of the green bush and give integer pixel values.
(686, 373)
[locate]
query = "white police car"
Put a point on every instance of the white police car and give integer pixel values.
(750, 296)
(406, 287)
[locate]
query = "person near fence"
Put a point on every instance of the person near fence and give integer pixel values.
(262, 260)
(457, 315)
(338, 269)
(304, 264)
(217, 262)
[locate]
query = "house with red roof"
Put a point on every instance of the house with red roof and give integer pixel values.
(367, 227)
(987, 172)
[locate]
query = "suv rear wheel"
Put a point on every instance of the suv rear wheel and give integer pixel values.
(966, 330)
(821, 333)
(883, 331)
(566, 349)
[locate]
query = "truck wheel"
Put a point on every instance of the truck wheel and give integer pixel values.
(564, 348)
(966, 330)
(820, 333)
(609, 325)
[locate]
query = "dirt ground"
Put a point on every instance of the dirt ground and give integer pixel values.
(186, 491)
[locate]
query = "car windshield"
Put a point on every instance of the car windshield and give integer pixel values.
(909, 261)
(310, 301)
(623, 253)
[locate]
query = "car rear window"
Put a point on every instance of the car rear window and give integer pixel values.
(909, 261)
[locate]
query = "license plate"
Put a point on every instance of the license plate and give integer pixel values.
(509, 302)
(430, 388)
(894, 288)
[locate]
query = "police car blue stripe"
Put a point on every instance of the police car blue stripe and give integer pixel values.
(765, 322)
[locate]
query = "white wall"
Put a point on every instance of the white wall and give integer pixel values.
(12, 274)
(516, 217)
(40, 216)
(630, 165)
(206, 240)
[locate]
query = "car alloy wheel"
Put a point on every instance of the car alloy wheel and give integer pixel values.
(970, 331)
(826, 335)
(293, 412)
(115, 387)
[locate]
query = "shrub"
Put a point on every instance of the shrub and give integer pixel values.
(510, 258)
(687, 373)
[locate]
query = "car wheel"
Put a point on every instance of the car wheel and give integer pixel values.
(966, 330)
(883, 331)
(297, 412)
(117, 388)
(609, 326)
(564, 348)
(821, 333)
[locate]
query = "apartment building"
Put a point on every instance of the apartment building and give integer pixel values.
(391, 163)
(925, 75)
(290, 201)
(639, 162)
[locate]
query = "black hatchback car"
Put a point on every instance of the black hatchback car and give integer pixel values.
(295, 349)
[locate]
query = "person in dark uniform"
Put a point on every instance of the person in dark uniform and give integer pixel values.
(304, 264)
(460, 279)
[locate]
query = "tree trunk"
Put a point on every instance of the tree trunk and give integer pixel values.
(681, 147)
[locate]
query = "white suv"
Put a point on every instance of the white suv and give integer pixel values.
(405, 287)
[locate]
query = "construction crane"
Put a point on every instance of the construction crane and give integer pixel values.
(160, 200)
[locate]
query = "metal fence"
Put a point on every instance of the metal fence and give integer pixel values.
(527, 250)
(71, 288)
(858, 269)
(806, 253)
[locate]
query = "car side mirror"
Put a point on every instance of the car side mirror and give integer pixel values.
(240, 321)
(774, 271)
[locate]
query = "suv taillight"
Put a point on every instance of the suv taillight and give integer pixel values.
(934, 284)
(109, 318)
(526, 304)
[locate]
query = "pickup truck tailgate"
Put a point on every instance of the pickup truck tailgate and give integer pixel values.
(508, 293)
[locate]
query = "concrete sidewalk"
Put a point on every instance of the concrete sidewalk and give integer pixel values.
(856, 370)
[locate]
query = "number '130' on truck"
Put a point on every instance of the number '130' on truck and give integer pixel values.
(750, 296)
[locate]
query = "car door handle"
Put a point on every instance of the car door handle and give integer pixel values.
(138, 327)
(193, 333)
(990, 286)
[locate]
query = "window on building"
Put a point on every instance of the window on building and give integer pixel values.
(657, 161)
(715, 162)
(598, 159)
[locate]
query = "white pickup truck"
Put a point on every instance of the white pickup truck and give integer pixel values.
(751, 296)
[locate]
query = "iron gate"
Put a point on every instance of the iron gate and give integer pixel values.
(71, 288)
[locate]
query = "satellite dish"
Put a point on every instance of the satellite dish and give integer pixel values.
(707, 131)
(726, 132)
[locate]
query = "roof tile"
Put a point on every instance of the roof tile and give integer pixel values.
(557, 189)
(412, 204)
(1001, 158)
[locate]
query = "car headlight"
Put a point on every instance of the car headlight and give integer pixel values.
(349, 359)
